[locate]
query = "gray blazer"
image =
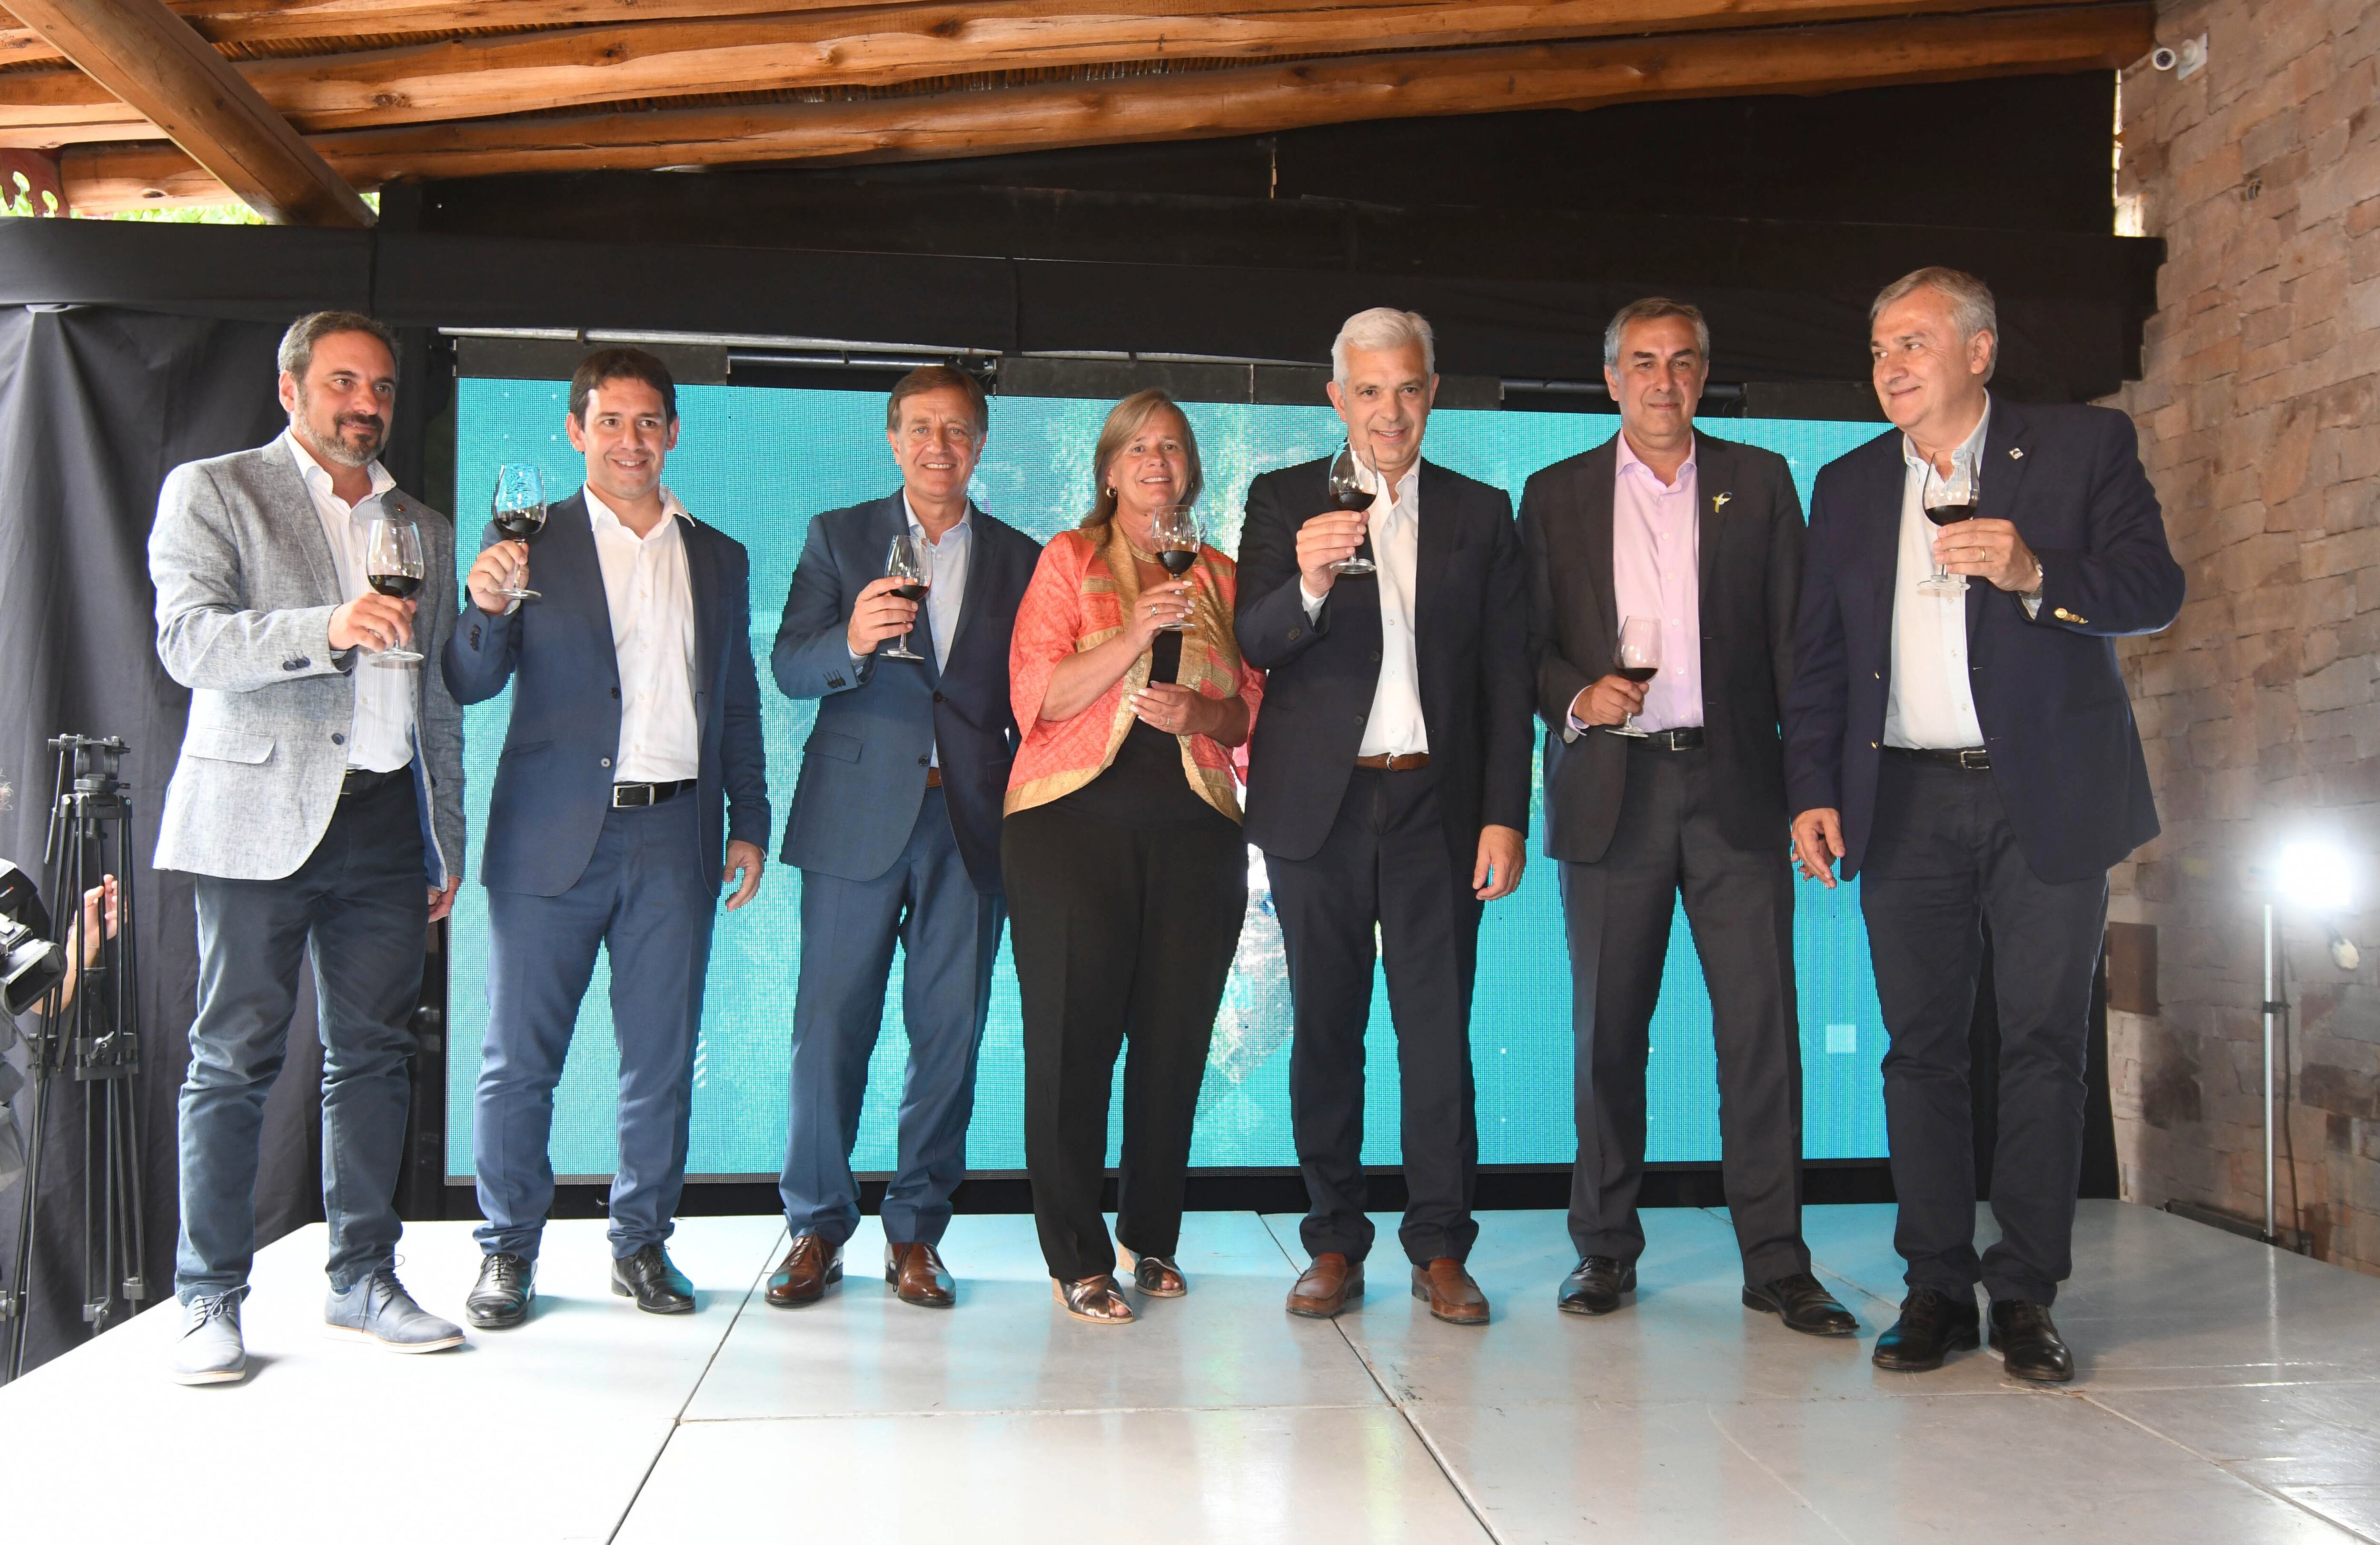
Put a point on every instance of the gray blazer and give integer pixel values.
(246, 586)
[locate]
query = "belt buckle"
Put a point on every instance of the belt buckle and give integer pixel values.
(1975, 761)
(620, 800)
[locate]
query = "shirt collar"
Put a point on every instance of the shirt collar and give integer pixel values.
(1972, 445)
(600, 513)
(309, 469)
(1628, 458)
(964, 529)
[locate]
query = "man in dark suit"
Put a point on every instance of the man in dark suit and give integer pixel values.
(1673, 786)
(897, 830)
(1388, 789)
(1971, 756)
(633, 755)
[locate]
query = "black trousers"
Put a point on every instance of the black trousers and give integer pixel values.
(1739, 906)
(1385, 864)
(1121, 936)
(1941, 866)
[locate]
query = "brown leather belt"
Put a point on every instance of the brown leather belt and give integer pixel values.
(636, 796)
(933, 777)
(1395, 761)
(1972, 759)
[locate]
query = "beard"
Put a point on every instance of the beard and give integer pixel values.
(350, 439)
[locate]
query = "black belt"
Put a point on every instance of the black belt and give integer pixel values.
(1687, 739)
(631, 796)
(1972, 759)
(361, 780)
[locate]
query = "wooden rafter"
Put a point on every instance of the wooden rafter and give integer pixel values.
(1197, 105)
(147, 56)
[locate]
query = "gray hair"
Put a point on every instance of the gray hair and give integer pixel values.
(1972, 309)
(297, 355)
(1652, 309)
(1383, 327)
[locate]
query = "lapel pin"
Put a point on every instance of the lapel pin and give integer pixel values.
(1718, 502)
(2016, 453)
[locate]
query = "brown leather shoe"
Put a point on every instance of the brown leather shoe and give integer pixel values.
(918, 1276)
(1327, 1285)
(809, 1268)
(1452, 1294)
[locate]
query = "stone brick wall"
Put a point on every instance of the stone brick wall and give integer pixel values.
(2260, 706)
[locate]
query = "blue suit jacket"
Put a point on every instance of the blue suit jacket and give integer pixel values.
(553, 781)
(864, 767)
(2051, 701)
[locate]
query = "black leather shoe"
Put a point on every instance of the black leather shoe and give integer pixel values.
(1803, 1305)
(1932, 1326)
(1595, 1285)
(656, 1285)
(500, 1299)
(2030, 1346)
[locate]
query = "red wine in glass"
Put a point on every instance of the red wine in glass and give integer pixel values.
(1348, 477)
(1176, 561)
(393, 567)
(401, 586)
(1637, 673)
(518, 511)
(907, 561)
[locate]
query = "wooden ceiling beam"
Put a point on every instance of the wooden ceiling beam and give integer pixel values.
(149, 57)
(895, 44)
(1197, 105)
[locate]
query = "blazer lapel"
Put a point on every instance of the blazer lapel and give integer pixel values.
(977, 558)
(1999, 473)
(567, 543)
(281, 470)
(1433, 541)
(703, 587)
(1598, 472)
(1714, 496)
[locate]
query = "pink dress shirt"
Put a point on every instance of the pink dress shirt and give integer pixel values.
(1655, 572)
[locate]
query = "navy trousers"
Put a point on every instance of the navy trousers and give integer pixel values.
(949, 934)
(646, 898)
(358, 907)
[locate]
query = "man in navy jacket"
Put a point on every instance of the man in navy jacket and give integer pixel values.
(633, 755)
(1971, 754)
(896, 831)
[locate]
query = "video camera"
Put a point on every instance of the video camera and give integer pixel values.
(31, 962)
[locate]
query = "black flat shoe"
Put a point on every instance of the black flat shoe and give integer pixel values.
(2030, 1346)
(1932, 1326)
(1594, 1285)
(1803, 1305)
(500, 1299)
(656, 1285)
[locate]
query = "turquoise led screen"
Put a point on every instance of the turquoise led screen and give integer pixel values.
(757, 463)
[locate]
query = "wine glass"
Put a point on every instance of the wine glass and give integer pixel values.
(1173, 532)
(909, 561)
(519, 513)
(1949, 499)
(1640, 658)
(1351, 491)
(393, 567)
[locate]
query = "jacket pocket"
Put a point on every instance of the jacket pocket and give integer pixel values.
(227, 745)
(524, 749)
(827, 743)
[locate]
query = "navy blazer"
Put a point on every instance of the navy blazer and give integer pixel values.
(1471, 651)
(2049, 694)
(553, 781)
(864, 767)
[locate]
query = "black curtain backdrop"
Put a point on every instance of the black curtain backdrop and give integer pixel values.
(96, 406)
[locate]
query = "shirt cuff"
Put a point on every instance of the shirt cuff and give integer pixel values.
(2031, 603)
(1312, 602)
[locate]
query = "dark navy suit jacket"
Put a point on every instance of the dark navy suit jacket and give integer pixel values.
(864, 768)
(553, 781)
(2048, 696)
(1470, 648)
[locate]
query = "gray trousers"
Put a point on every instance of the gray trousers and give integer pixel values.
(1739, 905)
(359, 908)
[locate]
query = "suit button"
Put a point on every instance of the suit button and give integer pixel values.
(607, 761)
(922, 762)
(938, 697)
(1375, 657)
(1295, 634)
(338, 740)
(1360, 717)
(615, 693)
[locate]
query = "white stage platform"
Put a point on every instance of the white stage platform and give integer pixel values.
(2227, 1392)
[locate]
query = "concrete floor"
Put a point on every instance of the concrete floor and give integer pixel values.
(2227, 1392)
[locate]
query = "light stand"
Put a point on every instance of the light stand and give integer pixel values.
(2315, 878)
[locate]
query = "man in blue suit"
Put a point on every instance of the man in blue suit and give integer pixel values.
(896, 831)
(636, 728)
(1965, 746)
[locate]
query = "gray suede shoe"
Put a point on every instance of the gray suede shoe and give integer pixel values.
(379, 1309)
(208, 1350)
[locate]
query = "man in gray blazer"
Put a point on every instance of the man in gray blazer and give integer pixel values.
(1670, 787)
(318, 803)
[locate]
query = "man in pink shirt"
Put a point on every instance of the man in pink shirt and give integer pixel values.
(1692, 545)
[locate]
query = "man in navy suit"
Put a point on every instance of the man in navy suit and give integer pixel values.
(634, 753)
(896, 831)
(1967, 748)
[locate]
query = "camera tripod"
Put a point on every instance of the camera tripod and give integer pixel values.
(94, 1041)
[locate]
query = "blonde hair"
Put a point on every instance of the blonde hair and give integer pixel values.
(1125, 419)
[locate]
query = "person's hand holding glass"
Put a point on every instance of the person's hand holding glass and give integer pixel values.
(1949, 498)
(908, 563)
(393, 567)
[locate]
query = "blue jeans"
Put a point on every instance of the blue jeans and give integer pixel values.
(358, 909)
(646, 899)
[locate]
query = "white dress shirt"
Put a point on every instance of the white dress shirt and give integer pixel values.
(651, 599)
(1394, 727)
(380, 738)
(1932, 703)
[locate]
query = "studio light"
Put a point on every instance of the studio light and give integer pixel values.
(2315, 876)
(2317, 879)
